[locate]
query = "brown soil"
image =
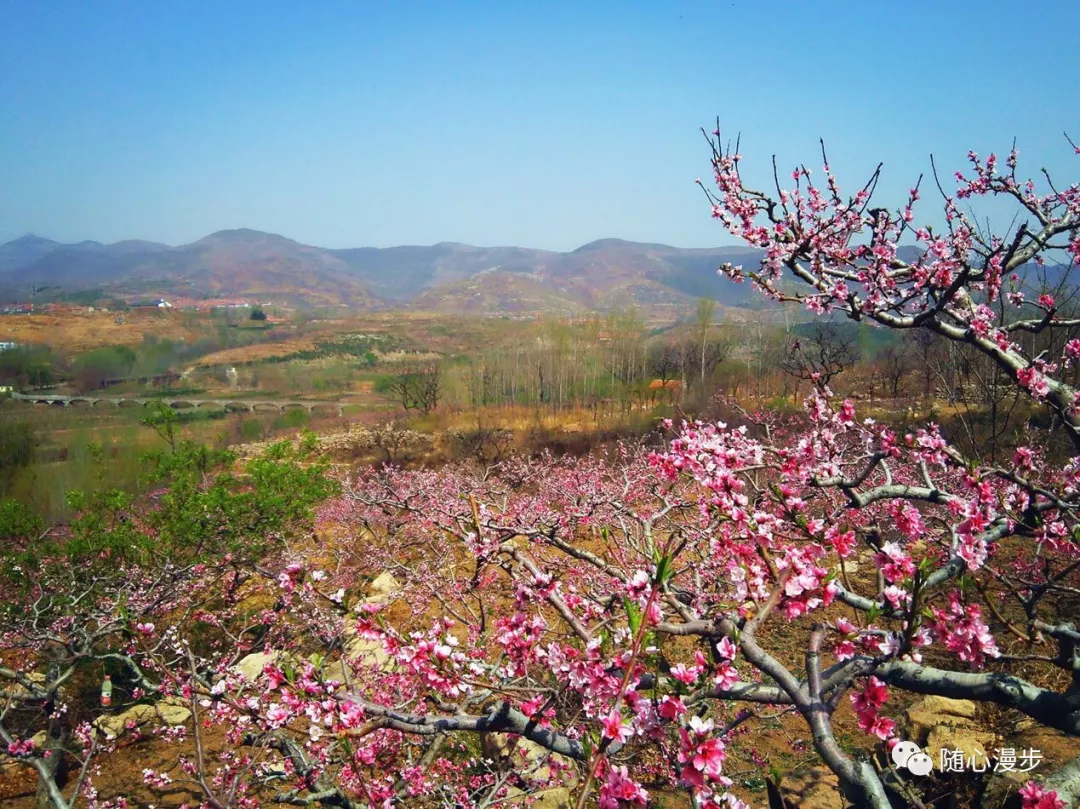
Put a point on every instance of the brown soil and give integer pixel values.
(82, 330)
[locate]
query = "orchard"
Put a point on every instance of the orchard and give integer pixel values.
(597, 632)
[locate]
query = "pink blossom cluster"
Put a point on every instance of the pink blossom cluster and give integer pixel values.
(962, 630)
(867, 704)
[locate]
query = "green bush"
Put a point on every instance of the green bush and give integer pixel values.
(17, 442)
(251, 429)
(18, 520)
(92, 369)
(292, 419)
(202, 511)
(27, 366)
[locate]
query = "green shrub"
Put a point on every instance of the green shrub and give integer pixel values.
(18, 520)
(251, 429)
(27, 366)
(17, 442)
(292, 419)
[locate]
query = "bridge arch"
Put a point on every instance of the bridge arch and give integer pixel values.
(230, 405)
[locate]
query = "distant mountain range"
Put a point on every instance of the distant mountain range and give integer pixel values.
(446, 277)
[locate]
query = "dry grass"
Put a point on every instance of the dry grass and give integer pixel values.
(256, 352)
(82, 331)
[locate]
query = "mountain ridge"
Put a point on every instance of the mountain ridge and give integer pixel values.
(447, 276)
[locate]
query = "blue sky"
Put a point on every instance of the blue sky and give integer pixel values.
(536, 124)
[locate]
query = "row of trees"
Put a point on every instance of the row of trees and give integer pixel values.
(27, 367)
(559, 363)
(583, 364)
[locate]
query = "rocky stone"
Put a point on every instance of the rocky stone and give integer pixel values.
(535, 765)
(812, 788)
(115, 725)
(17, 691)
(850, 566)
(39, 739)
(336, 671)
(944, 705)
(361, 651)
(388, 437)
(558, 798)
(554, 798)
(172, 712)
(1056, 749)
(364, 651)
(974, 745)
(251, 667)
(931, 712)
(383, 587)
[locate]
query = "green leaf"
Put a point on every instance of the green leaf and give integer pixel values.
(633, 615)
(663, 570)
(587, 747)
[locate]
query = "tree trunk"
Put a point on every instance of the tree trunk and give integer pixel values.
(54, 745)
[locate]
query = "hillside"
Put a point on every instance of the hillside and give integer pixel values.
(446, 277)
(226, 263)
(496, 291)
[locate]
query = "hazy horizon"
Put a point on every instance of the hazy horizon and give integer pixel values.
(728, 242)
(340, 126)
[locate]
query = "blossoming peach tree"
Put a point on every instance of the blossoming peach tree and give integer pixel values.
(605, 626)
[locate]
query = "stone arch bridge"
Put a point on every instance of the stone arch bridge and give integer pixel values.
(184, 403)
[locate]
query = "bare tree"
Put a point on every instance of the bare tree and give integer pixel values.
(923, 345)
(706, 310)
(988, 404)
(418, 389)
(821, 355)
(893, 365)
(398, 443)
(664, 361)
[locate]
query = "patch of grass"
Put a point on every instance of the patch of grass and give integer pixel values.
(251, 429)
(292, 419)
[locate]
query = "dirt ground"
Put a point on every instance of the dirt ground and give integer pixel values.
(81, 330)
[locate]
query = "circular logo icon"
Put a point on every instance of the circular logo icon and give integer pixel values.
(920, 764)
(903, 751)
